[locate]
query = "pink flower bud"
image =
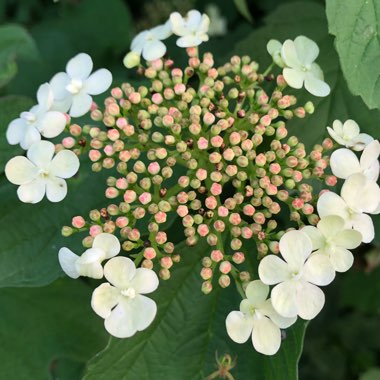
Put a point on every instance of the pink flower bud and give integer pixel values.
(219, 225)
(182, 211)
(111, 192)
(179, 88)
(161, 237)
(235, 138)
(211, 203)
(206, 287)
(248, 210)
(157, 98)
(235, 219)
(216, 189)
(130, 196)
(166, 262)
(75, 130)
(122, 222)
(202, 143)
(135, 98)
(78, 222)
(228, 154)
(216, 141)
(246, 232)
(203, 230)
(145, 198)
(160, 217)
(225, 267)
(149, 253)
(206, 273)
(297, 203)
(68, 142)
(223, 211)
(216, 255)
(95, 230)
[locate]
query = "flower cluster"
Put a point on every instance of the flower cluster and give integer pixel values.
(206, 148)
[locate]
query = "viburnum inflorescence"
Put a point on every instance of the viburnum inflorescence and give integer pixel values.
(207, 147)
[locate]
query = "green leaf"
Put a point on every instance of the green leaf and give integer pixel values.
(11, 106)
(340, 104)
(356, 25)
(40, 325)
(371, 374)
(242, 7)
(188, 331)
(30, 234)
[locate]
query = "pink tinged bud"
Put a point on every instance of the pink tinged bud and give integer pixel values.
(297, 203)
(307, 209)
(331, 180)
(121, 183)
(68, 142)
(161, 237)
(124, 156)
(223, 211)
(259, 218)
(327, 144)
(135, 97)
(203, 230)
(68, 118)
(282, 195)
(129, 130)
(145, 198)
(157, 64)
(248, 210)
(179, 88)
(168, 94)
(246, 232)
(166, 262)
(75, 130)
(206, 273)
(113, 109)
(157, 98)
(215, 158)
(261, 235)
(321, 164)
(231, 170)
(122, 222)
(318, 171)
(167, 121)
(108, 150)
(184, 181)
(202, 143)
(78, 222)
(216, 141)
(182, 211)
(219, 225)
(112, 192)
(148, 264)
(208, 118)
(275, 168)
(216, 189)
(95, 230)
(224, 281)
(315, 155)
(235, 219)
(228, 154)
(300, 112)
(238, 257)
(274, 208)
(182, 197)
(235, 138)
(201, 174)
(113, 134)
(149, 253)
(121, 122)
(264, 182)
(206, 287)
(117, 92)
(160, 217)
(265, 120)
(225, 267)
(130, 196)
(297, 176)
(260, 159)
(211, 203)
(154, 168)
(216, 255)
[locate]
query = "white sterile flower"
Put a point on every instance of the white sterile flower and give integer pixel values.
(358, 197)
(218, 23)
(89, 264)
(299, 56)
(333, 239)
(122, 304)
(148, 43)
(344, 162)
(297, 277)
(40, 173)
(348, 134)
(72, 89)
(192, 29)
(39, 120)
(274, 48)
(257, 319)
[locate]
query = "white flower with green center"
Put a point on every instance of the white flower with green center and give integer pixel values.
(345, 163)
(274, 48)
(39, 173)
(333, 239)
(257, 319)
(73, 89)
(89, 264)
(121, 302)
(296, 278)
(149, 43)
(301, 70)
(191, 29)
(39, 120)
(348, 134)
(358, 197)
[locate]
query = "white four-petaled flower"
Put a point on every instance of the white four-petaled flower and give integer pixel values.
(345, 163)
(299, 56)
(40, 173)
(333, 239)
(296, 278)
(191, 29)
(89, 264)
(257, 319)
(348, 134)
(73, 88)
(359, 196)
(39, 120)
(122, 303)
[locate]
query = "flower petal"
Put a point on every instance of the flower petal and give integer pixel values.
(257, 292)
(98, 82)
(310, 300)
(348, 239)
(58, 85)
(56, 189)
(316, 86)
(120, 323)
(350, 129)
(239, 327)
(153, 50)
(330, 203)
(45, 96)
(363, 223)
(89, 264)
(161, 32)
(315, 235)
(307, 50)
(294, 78)
(289, 55)
(360, 142)
(32, 192)
(65, 164)
(41, 153)
(344, 163)
(19, 170)
(52, 124)
(369, 160)
(280, 321)
(189, 41)
(119, 271)
(81, 104)
(80, 66)
(109, 243)
(67, 260)
(331, 225)
(283, 298)
(266, 336)
(341, 259)
(295, 247)
(178, 24)
(104, 298)
(273, 270)
(145, 281)
(144, 311)
(16, 130)
(338, 138)
(30, 137)
(318, 270)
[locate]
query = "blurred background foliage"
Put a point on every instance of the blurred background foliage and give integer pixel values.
(37, 38)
